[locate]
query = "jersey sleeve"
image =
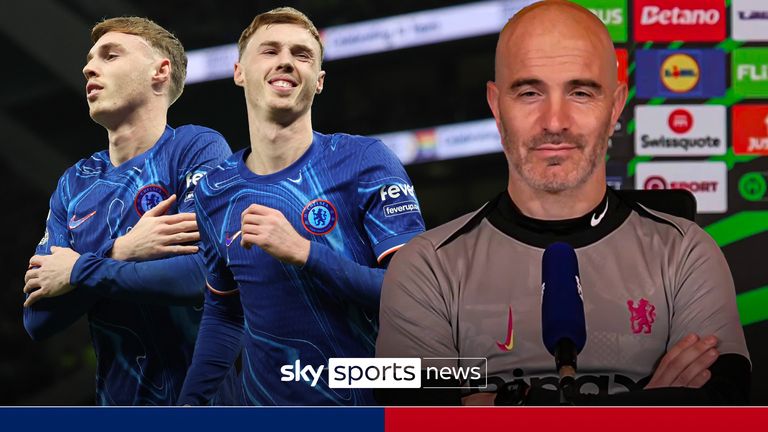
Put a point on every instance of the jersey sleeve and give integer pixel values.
(51, 315)
(388, 200)
(207, 150)
(219, 338)
(705, 296)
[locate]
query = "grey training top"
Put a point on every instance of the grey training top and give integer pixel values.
(472, 288)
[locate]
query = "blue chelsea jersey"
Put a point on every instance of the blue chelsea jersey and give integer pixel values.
(143, 350)
(348, 195)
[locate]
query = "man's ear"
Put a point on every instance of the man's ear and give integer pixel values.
(238, 75)
(162, 72)
(492, 96)
(320, 82)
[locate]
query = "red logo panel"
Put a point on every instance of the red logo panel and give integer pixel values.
(622, 60)
(681, 20)
(750, 129)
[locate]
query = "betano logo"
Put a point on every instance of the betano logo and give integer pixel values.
(686, 20)
(680, 73)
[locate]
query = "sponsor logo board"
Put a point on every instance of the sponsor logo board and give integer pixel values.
(681, 20)
(680, 74)
(750, 129)
(749, 72)
(680, 130)
(706, 180)
(749, 20)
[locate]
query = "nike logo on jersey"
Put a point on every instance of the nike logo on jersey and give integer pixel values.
(229, 239)
(509, 342)
(298, 180)
(74, 222)
(596, 220)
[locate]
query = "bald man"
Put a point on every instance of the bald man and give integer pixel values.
(659, 301)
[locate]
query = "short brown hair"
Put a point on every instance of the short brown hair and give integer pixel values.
(281, 15)
(158, 38)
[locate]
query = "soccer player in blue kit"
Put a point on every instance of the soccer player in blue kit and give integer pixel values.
(119, 239)
(298, 231)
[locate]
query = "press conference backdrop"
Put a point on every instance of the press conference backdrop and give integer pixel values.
(413, 74)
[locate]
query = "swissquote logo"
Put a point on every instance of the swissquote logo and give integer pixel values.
(750, 129)
(680, 130)
(679, 20)
(706, 180)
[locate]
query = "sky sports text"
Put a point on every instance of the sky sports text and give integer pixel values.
(406, 372)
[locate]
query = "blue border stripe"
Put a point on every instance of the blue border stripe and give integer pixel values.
(187, 419)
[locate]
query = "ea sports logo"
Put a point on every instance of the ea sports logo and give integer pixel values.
(680, 73)
(680, 121)
(148, 197)
(319, 217)
(655, 182)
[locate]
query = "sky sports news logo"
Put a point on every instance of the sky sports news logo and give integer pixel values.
(405, 372)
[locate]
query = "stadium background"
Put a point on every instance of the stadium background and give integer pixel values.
(415, 76)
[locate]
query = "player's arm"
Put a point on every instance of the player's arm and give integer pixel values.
(705, 305)
(50, 316)
(168, 268)
(707, 362)
(221, 330)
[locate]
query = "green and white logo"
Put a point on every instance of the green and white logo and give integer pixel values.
(613, 13)
(752, 186)
(749, 72)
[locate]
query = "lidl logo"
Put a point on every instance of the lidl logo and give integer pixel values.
(679, 20)
(681, 74)
(750, 129)
(749, 72)
(613, 13)
(749, 20)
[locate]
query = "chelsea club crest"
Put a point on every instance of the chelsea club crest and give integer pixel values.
(319, 217)
(148, 197)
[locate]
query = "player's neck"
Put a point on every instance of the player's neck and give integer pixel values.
(276, 145)
(135, 135)
(568, 204)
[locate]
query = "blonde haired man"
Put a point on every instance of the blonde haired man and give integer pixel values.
(298, 229)
(119, 244)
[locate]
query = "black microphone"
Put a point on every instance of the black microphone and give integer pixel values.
(562, 310)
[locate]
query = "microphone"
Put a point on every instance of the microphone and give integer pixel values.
(562, 310)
